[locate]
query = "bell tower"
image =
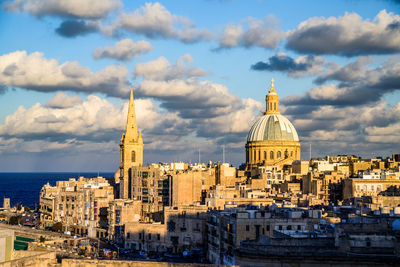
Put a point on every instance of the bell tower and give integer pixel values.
(131, 150)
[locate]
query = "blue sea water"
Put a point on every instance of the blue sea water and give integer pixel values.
(24, 187)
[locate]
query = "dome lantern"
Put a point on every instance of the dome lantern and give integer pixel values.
(272, 101)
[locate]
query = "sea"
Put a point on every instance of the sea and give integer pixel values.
(24, 187)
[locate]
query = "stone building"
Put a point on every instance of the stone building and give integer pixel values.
(272, 140)
(80, 205)
(119, 213)
(47, 205)
(226, 229)
(182, 230)
(326, 185)
(369, 185)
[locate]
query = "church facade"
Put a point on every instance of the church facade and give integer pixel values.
(272, 140)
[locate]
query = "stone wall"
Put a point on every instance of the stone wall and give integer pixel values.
(103, 263)
(38, 259)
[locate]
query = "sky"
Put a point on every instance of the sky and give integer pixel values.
(200, 71)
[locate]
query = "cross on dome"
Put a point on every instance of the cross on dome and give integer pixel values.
(272, 86)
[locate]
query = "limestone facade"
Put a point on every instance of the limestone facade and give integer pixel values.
(79, 205)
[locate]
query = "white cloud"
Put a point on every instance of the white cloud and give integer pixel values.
(348, 35)
(62, 100)
(80, 118)
(35, 72)
(161, 69)
(154, 21)
(348, 72)
(252, 32)
(123, 50)
(90, 9)
(358, 84)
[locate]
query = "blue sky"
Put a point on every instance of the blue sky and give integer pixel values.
(200, 70)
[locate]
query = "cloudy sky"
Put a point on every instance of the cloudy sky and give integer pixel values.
(200, 70)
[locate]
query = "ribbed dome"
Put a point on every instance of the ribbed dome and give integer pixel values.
(272, 127)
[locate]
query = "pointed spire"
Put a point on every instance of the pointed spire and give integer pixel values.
(131, 126)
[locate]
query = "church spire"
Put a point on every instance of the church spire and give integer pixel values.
(272, 101)
(131, 126)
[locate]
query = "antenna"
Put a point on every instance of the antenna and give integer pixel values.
(199, 156)
(223, 153)
(310, 151)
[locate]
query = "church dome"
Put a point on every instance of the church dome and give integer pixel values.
(272, 140)
(272, 127)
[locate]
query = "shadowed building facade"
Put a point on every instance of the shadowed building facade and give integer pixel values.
(272, 140)
(131, 150)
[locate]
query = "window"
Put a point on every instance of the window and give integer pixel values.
(271, 155)
(255, 155)
(299, 227)
(278, 155)
(280, 227)
(247, 227)
(259, 155)
(133, 156)
(128, 235)
(274, 106)
(158, 236)
(171, 226)
(149, 236)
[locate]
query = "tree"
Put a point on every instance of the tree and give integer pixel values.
(14, 220)
(57, 227)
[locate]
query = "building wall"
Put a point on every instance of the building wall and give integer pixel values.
(357, 187)
(6, 245)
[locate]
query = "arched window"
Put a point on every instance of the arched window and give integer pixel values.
(133, 156)
(278, 155)
(291, 153)
(270, 106)
(255, 155)
(265, 154)
(274, 106)
(271, 155)
(259, 155)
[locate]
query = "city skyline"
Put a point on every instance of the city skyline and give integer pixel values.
(200, 72)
